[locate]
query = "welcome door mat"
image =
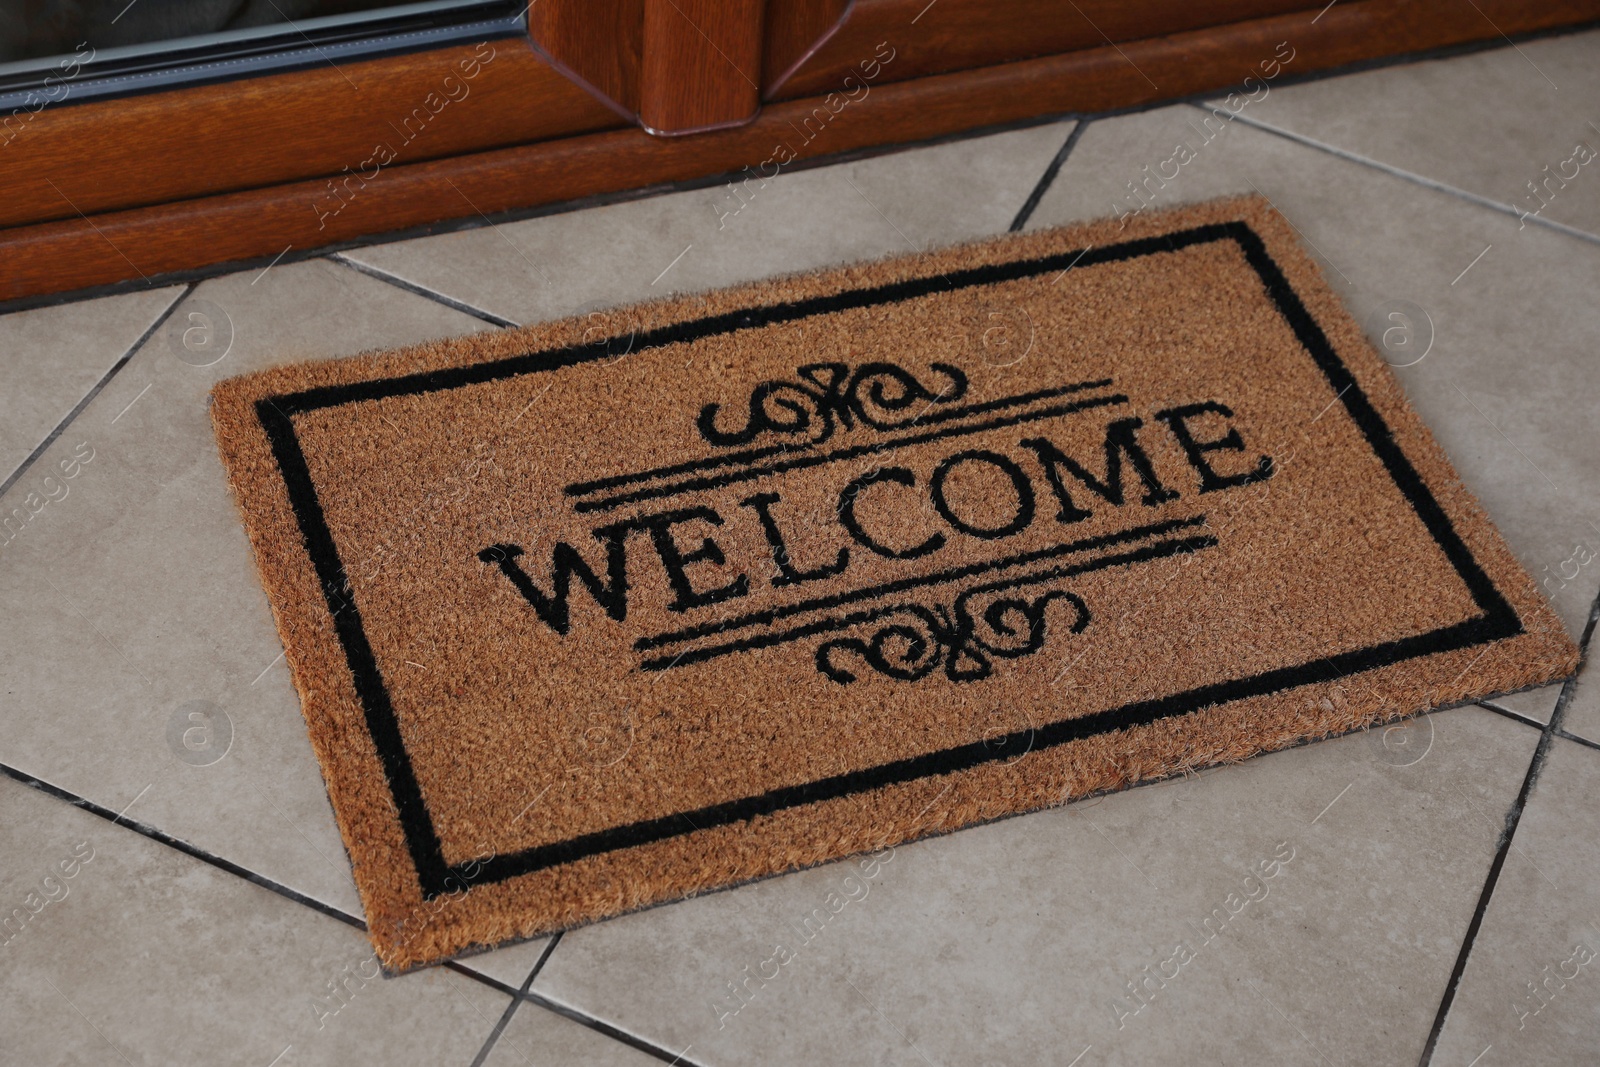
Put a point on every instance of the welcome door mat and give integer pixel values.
(604, 612)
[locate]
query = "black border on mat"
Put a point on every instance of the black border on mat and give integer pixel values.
(436, 876)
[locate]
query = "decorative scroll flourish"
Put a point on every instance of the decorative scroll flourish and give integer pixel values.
(829, 395)
(914, 640)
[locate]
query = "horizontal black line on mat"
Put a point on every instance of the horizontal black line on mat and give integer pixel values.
(752, 455)
(954, 574)
(1009, 748)
(842, 454)
(622, 344)
(1160, 550)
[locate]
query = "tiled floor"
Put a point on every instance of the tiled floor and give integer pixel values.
(1440, 902)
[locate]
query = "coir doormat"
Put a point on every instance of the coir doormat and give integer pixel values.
(600, 613)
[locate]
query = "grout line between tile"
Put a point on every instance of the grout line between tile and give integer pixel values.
(421, 290)
(543, 958)
(195, 852)
(1515, 716)
(467, 972)
(516, 1002)
(145, 830)
(601, 1026)
(494, 1035)
(105, 379)
(1503, 846)
(1584, 741)
(1410, 176)
(1048, 178)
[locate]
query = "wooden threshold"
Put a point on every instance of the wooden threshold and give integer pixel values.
(150, 245)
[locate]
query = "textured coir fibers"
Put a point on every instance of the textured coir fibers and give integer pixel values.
(599, 613)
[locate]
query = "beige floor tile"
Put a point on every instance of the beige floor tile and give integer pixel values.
(1016, 942)
(132, 604)
(143, 955)
(538, 1037)
(569, 264)
(49, 360)
(1489, 123)
(1509, 380)
(1531, 990)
